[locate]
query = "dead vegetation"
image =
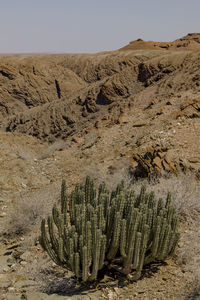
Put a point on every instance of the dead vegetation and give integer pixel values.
(28, 211)
(58, 145)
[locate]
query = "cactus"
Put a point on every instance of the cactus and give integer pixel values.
(120, 230)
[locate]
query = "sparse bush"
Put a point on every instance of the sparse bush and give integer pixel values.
(28, 211)
(58, 145)
(193, 288)
(117, 230)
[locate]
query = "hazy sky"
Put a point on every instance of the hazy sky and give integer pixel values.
(92, 25)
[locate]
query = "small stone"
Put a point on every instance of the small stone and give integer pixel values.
(3, 214)
(140, 124)
(117, 291)
(10, 261)
(11, 289)
(6, 269)
(26, 255)
(157, 162)
(169, 102)
(13, 266)
(164, 279)
(25, 283)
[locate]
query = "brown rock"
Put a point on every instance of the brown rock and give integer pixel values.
(84, 113)
(194, 160)
(157, 162)
(140, 124)
(168, 165)
(169, 156)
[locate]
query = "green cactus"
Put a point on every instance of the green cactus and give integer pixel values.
(115, 229)
(64, 200)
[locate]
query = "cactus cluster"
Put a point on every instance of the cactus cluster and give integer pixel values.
(120, 230)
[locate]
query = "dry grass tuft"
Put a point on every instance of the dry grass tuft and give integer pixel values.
(58, 145)
(185, 191)
(28, 210)
(193, 288)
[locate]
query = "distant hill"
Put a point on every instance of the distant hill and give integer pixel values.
(188, 42)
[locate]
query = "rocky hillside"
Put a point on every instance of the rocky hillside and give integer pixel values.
(132, 113)
(61, 96)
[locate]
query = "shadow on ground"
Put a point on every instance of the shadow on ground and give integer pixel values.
(109, 279)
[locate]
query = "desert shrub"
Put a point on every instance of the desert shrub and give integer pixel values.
(58, 145)
(193, 287)
(28, 210)
(99, 229)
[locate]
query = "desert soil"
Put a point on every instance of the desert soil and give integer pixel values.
(132, 114)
